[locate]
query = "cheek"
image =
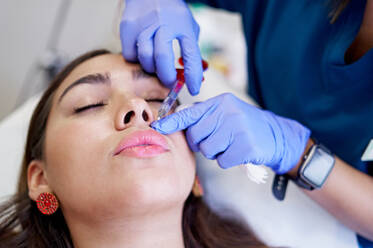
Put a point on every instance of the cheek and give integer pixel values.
(184, 157)
(181, 143)
(74, 155)
(154, 107)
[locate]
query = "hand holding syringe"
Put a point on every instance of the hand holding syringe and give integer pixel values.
(255, 173)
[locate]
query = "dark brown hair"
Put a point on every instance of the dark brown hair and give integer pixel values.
(22, 225)
(337, 7)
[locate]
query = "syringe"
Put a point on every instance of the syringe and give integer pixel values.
(170, 100)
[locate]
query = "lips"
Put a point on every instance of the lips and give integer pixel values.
(142, 144)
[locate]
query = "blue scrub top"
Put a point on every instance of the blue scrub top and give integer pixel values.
(297, 69)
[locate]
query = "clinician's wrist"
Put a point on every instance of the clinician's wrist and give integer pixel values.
(294, 171)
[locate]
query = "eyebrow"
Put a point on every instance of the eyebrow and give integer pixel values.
(97, 78)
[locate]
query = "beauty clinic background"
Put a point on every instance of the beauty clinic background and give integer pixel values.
(29, 33)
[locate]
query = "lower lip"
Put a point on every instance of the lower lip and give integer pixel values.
(145, 151)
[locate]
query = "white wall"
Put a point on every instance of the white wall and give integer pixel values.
(24, 30)
(26, 26)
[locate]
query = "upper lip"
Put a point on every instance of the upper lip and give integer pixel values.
(141, 137)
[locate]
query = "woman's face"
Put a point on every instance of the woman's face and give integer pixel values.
(102, 158)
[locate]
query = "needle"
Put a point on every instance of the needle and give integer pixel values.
(170, 100)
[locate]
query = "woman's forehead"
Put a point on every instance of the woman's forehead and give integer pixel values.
(107, 63)
(116, 68)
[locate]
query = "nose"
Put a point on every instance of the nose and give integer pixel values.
(135, 112)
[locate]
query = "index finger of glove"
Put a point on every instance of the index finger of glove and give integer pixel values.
(128, 37)
(184, 118)
(192, 64)
(164, 56)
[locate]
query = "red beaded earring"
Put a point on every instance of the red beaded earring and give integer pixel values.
(47, 203)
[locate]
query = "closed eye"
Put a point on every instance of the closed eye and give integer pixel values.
(155, 100)
(101, 104)
(90, 106)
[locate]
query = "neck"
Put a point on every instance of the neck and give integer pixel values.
(364, 39)
(368, 17)
(159, 230)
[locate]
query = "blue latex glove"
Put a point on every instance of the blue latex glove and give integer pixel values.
(235, 132)
(147, 30)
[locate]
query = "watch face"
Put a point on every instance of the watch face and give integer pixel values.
(318, 167)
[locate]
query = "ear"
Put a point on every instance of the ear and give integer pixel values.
(37, 179)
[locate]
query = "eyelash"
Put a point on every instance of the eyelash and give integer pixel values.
(101, 104)
(90, 106)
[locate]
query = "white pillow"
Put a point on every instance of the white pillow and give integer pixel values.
(295, 222)
(13, 132)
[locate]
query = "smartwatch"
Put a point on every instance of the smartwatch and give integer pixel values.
(316, 167)
(312, 173)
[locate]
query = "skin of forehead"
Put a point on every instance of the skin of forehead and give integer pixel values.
(101, 64)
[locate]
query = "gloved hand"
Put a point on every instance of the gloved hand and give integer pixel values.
(235, 132)
(147, 30)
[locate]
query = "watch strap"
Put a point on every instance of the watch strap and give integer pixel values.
(298, 180)
(279, 186)
(303, 184)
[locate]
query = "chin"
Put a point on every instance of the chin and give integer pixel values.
(144, 185)
(152, 194)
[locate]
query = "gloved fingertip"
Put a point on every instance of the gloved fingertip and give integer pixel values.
(165, 125)
(222, 163)
(168, 77)
(193, 88)
(147, 65)
(129, 55)
(158, 129)
(155, 125)
(193, 147)
(193, 91)
(224, 166)
(193, 82)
